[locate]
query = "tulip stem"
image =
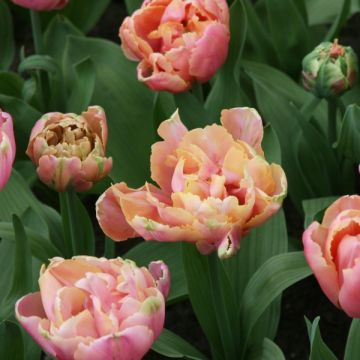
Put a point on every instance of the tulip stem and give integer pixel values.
(39, 49)
(332, 111)
(69, 219)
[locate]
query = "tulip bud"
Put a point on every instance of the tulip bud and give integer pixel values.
(69, 150)
(7, 147)
(41, 5)
(330, 69)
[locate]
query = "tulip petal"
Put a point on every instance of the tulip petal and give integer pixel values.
(161, 274)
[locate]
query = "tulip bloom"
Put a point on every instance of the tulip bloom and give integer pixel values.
(177, 41)
(41, 5)
(7, 147)
(332, 250)
(69, 149)
(96, 309)
(215, 185)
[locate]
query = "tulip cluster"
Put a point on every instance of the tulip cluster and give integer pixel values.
(69, 149)
(177, 41)
(7, 147)
(215, 185)
(96, 309)
(332, 250)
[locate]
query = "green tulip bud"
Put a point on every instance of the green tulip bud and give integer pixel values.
(330, 70)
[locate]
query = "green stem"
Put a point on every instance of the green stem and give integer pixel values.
(69, 220)
(332, 110)
(110, 248)
(222, 310)
(39, 49)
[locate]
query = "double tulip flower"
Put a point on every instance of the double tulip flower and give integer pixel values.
(215, 185)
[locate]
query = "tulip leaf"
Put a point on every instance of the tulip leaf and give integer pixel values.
(268, 350)
(271, 145)
(81, 94)
(268, 282)
(339, 21)
(7, 51)
(319, 350)
(173, 346)
(133, 5)
(352, 350)
(226, 91)
(11, 341)
(348, 143)
(313, 207)
(126, 103)
(39, 62)
(294, 40)
(197, 274)
(10, 83)
(148, 251)
(82, 14)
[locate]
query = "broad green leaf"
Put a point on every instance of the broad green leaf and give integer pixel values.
(271, 145)
(268, 350)
(295, 40)
(39, 62)
(11, 341)
(7, 49)
(257, 247)
(339, 21)
(148, 251)
(133, 5)
(126, 103)
(81, 94)
(165, 106)
(348, 143)
(24, 117)
(313, 207)
(225, 92)
(55, 36)
(197, 273)
(352, 350)
(22, 275)
(10, 83)
(319, 350)
(7, 251)
(173, 346)
(272, 278)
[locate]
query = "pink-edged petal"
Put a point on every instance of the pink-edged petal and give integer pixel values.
(210, 52)
(160, 271)
(30, 312)
(325, 272)
(344, 203)
(95, 168)
(173, 129)
(95, 118)
(110, 215)
(349, 296)
(130, 344)
(244, 124)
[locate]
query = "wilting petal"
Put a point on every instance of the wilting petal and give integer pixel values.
(161, 274)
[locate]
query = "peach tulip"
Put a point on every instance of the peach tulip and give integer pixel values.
(332, 250)
(69, 149)
(96, 309)
(215, 185)
(177, 41)
(41, 5)
(7, 147)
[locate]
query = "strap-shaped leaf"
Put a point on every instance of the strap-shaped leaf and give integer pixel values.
(268, 350)
(7, 49)
(173, 346)
(277, 274)
(352, 350)
(39, 62)
(313, 208)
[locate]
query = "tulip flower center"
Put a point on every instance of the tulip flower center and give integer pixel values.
(69, 138)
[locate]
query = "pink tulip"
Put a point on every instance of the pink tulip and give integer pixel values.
(41, 5)
(96, 309)
(69, 149)
(7, 147)
(215, 185)
(177, 41)
(332, 250)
